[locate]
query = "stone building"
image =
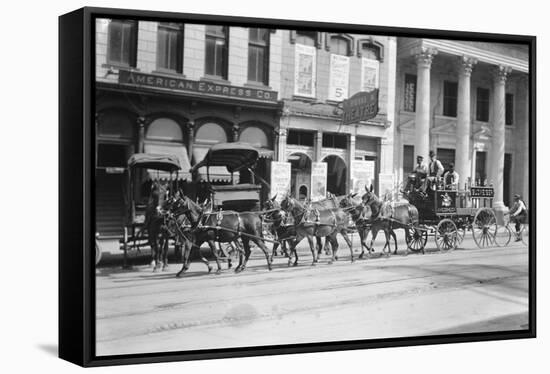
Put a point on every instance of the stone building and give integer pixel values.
(179, 88)
(319, 71)
(468, 101)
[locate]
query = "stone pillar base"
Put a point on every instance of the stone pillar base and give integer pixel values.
(500, 209)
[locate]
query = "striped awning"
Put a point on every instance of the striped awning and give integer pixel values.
(175, 149)
(217, 173)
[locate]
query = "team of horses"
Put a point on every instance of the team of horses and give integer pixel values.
(190, 224)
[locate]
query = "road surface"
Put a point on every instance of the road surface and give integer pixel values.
(467, 290)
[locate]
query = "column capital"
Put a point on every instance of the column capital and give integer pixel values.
(500, 73)
(141, 121)
(190, 125)
(466, 65)
(424, 56)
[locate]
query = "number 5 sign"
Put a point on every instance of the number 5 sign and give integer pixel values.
(339, 77)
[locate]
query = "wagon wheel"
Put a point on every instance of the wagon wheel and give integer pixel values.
(503, 236)
(446, 235)
(416, 239)
(484, 228)
(97, 252)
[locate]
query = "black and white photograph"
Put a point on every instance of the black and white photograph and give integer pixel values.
(259, 186)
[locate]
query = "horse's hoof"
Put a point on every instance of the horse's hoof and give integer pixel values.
(313, 263)
(178, 275)
(295, 264)
(210, 269)
(330, 262)
(218, 272)
(361, 256)
(335, 258)
(352, 260)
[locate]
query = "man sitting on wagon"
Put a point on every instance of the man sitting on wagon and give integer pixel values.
(518, 213)
(421, 172)
(450, 178)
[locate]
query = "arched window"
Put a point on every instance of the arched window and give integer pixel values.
(211, 133)
(371, 49)
(371, 53)
(340, 44)
(255, 136)
(116, 126)
(306, 37)
(164, 129)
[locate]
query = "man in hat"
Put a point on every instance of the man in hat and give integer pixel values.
(518, 213)
(450, 178)
(421, 171)
(435, 169)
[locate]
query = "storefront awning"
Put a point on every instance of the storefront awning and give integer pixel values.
(217, 173)
(177, 150)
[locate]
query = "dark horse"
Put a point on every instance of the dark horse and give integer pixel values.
(310, 222)
(157, 233)
(387, 217)
(222, 227)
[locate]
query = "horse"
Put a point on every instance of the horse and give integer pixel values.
(157, 234)
(279, 228)
(223, 227)
(179, 226)
(326, 223)
(387, 217)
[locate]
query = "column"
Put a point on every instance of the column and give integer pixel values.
(351, 158)
(141, 121)
(235, 132)
(318, 145)
(496, 166)
(282, 144)
(523, 125)
(190, 138)
(424, 58)
(463, 121)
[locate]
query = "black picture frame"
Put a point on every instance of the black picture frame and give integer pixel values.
(76, 191)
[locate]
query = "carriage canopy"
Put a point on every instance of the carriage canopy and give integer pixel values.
(234, 156)
(164, 162)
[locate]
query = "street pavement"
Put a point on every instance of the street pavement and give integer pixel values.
(466, 290)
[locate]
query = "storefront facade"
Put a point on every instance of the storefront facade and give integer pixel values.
(179, 94)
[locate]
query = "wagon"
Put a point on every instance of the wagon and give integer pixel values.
(158, 166)
(447, 214)
(239, 159)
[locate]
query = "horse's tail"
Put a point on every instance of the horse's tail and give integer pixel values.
(413, 214)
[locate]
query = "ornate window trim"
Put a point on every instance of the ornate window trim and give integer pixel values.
(347, 37)
(371, 42)
(318, 38)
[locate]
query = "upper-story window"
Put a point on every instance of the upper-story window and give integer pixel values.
(297, 137)
(409, 96)
(217, 47)
(122, 43)
(450, 95)
(305, 64)
(482, 104)
(340, 46)
(258, 55)
(170, 47)
(370, 65)
(334, 140)
(509, 110)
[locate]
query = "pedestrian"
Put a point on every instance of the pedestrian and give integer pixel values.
(518, 213)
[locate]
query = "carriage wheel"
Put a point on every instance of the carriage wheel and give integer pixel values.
(446, 235)
(484, 228)
(97, 252)
(416, 239)
(503, 236)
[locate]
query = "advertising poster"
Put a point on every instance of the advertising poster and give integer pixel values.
(280, 179)
(362, 175)
(318, 180)
(385, 186)
(304, 80)
(369, 74)
(339, 77)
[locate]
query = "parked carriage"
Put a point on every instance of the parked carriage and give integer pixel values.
(160, 167)
(447, 214)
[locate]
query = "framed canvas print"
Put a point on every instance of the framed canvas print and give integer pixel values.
(235, 186)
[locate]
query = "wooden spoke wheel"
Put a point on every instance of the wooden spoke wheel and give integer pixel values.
(484, 228)
(446, 235)
(97, 252)
(503, 236)
(416, 239)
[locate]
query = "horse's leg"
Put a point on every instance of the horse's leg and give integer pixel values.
(212, 246)
(319, 245)
(203, 259)
(331, 239)
(165, 253)
(361, 233)
(392, 232)
(260, 243)
(344, 233)
(274, 251)
(334, 245)
(374, 233)
(387, 244)
(293, 251)
(187, 248)
(247, 251)
(312, 248)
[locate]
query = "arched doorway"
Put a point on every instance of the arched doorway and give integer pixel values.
(336, 175)
(300, 172)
